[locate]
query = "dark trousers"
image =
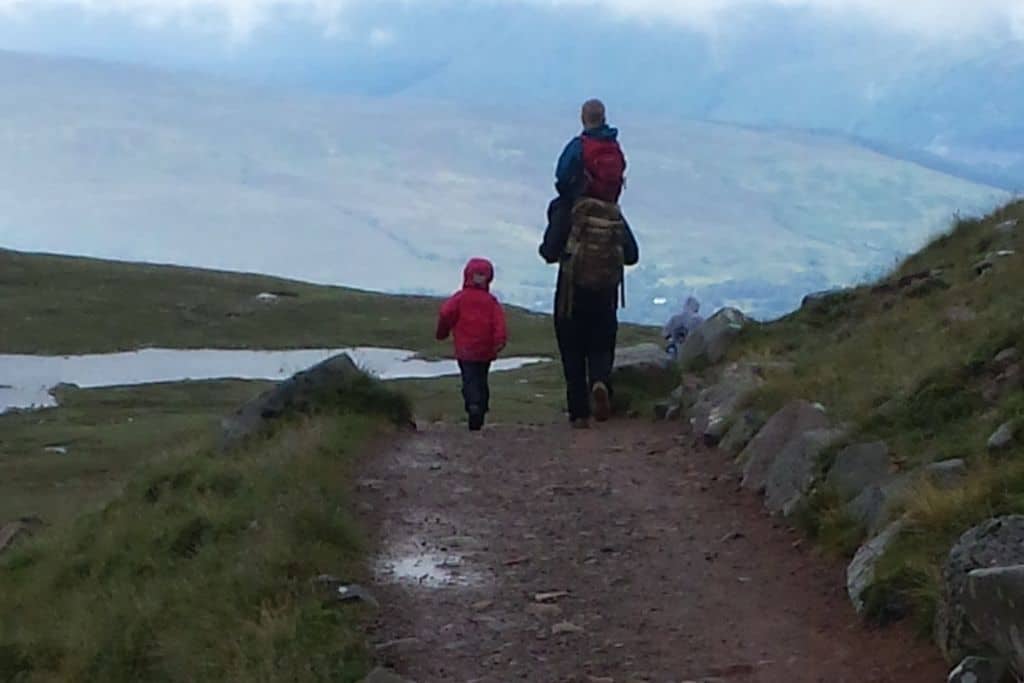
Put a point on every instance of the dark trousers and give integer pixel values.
(586, 342)
(475, 390)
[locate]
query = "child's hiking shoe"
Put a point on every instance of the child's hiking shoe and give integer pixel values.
(602, 402)
(580, 423)
(476, 421)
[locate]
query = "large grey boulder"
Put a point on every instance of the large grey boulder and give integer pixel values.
(304, 393)
(1003, 437)
(945, 475)
(858, 467)
(643, 358)
(994, 605)
(795, 469)
(743, 429)
(716, 405)
(709, 343)
(875, 505)
(861, 572)
(784, 426)
(978, 670)
(998, 542)
(818, 302)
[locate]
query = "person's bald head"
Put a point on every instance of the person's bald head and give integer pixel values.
(593, 115)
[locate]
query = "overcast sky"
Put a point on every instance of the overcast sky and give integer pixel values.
(240, 19)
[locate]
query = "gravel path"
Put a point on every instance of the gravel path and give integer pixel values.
(622, 554)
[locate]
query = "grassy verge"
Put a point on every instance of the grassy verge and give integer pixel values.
(199, 569)
(105, 434)
(911, 360)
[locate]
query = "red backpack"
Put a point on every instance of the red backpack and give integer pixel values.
(604, 169)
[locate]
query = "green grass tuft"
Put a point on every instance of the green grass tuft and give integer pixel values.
(200, 569)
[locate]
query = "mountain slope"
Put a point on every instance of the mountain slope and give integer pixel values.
(395, 194)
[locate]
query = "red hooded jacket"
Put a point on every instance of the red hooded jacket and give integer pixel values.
(475, 316)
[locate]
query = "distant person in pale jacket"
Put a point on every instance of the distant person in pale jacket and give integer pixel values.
(681, 325)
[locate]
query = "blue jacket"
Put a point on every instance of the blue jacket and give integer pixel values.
(569, 172)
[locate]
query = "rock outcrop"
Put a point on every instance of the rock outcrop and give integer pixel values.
(715, 407)
(818, 302)
(861, 572)
(709, 343)
(994, 605)
(874, 506)
(859, 466)
(946, 475)
(319, 386)
(744, 428)
(996, 543)
(784, 427)
(1003, 437)
(642, 358)
(978, 670)
(795, 469)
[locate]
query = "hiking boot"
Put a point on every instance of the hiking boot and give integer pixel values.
(476, 422)
(580, 423)
(602, 402)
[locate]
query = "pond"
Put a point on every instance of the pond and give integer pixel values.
(26, 381)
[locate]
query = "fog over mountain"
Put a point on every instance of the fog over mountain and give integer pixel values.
(936, 81)
(394, 193)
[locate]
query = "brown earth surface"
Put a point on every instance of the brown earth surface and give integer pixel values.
(621, 554)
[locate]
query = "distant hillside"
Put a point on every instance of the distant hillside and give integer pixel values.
(394, 194)
(915, 79)
(67, 305)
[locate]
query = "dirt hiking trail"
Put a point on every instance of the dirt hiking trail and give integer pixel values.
(620, 554)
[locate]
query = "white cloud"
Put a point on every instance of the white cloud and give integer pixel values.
(382, 37)
(931, 18)
(928, 18)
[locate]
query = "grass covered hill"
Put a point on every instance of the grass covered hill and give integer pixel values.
(69, 305)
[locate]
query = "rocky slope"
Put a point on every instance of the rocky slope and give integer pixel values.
(885, 420)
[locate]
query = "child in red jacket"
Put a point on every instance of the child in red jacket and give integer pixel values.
(478, 321)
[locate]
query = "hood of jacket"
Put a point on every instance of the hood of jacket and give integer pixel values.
(604, 132)
(478, 269)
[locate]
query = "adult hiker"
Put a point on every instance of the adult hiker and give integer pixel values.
(681, 325)
(590, 240)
